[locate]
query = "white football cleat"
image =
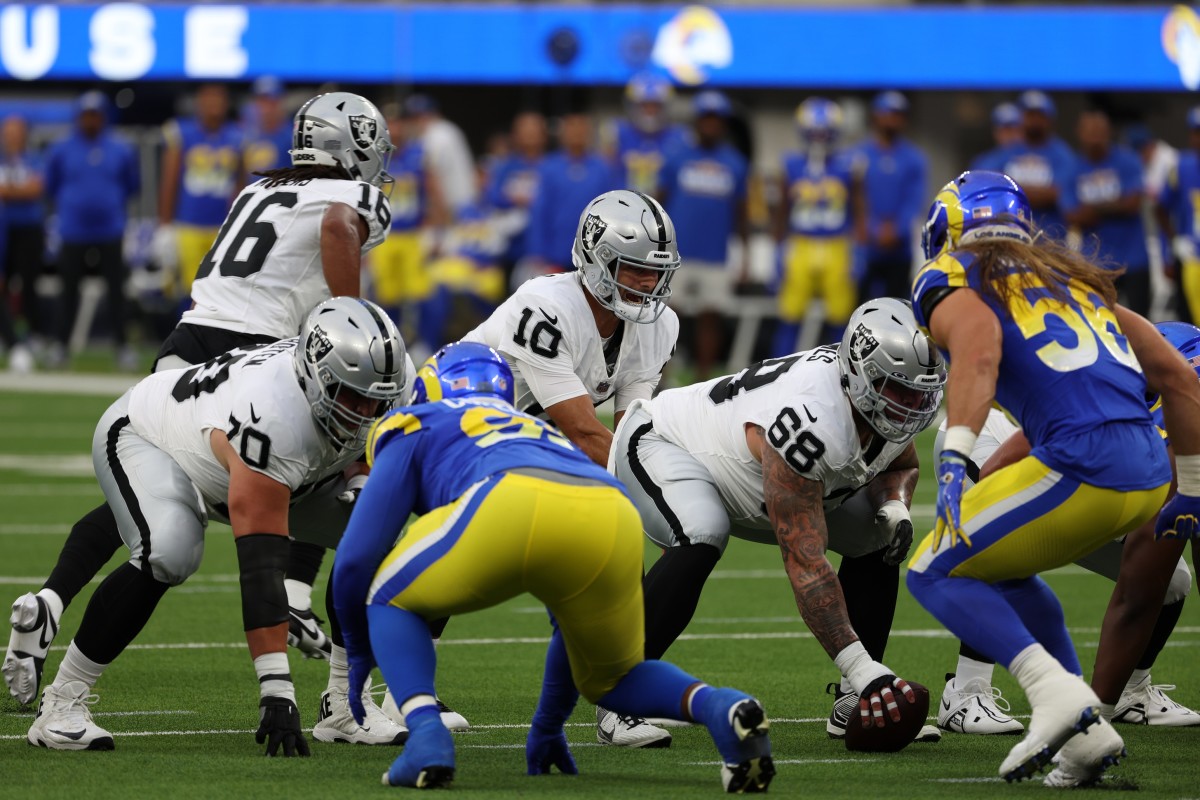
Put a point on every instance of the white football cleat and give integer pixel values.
(845, 708)
(1085, 756)
(64, 720)
(305, 634)
(622, 731)
(33, 629)
(975, 707)
(1147, 704)
(335, 723)
(1064, 706)
(454, 721)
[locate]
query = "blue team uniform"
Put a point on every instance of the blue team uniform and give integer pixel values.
(820, 193)
(210, 174)
(512, 184)
(15, 170)
(703, 188)
(90, 181)
(642, 155)
(1181, 196)
(894, 189)
(1122, 240)
(565, 186)
(1050, 164)
(408, 200)
(265, 150)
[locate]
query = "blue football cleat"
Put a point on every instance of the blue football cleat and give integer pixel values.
(738, 725)
(428, 758)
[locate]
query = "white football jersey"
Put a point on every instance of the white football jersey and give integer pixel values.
(799, 402)
(263, 273)
(253, 395)
(995, 431)
(547, 333)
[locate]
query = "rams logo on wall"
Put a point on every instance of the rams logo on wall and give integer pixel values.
(693, 40)
(1181, 43)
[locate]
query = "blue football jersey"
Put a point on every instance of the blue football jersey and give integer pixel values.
(454, 444)
(1067, 376)
(642, 155)
(819, 190)
(1181, 196)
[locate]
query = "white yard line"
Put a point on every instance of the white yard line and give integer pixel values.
(77, 383)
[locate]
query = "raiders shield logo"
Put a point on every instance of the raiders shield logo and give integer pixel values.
(593, 229)
(318, 346)
(862, 343)
(363, 129)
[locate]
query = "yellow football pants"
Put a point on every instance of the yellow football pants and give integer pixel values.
(398, 269)
(817, 266)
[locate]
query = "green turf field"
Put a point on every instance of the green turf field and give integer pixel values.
(183, 700)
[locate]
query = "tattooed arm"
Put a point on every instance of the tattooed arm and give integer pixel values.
(898, 481)
(795, 506)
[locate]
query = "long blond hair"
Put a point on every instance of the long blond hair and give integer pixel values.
(1007, 266)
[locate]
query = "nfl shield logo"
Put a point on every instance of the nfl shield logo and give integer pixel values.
(363, 129)
(603, 387)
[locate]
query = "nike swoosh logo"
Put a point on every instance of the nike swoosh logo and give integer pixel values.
(811, 418)
(945, 705)
(253, 417)
(75, 735)
(553, 320)
(49, 627)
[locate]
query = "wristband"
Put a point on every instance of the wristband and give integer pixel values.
(960, 439)
(1187, 473)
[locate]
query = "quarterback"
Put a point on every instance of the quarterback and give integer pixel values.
(812, 451)
(240, 438)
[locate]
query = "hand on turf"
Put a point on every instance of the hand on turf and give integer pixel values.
(893, 521)
(544, 750)
(879, 697)
(1179, 519)
(279, 724)
(354, 488)
(951, 474)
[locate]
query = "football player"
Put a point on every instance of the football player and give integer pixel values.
(641, 143)
(245, 438)
(603, 332)
(509, 506)
(813, 451)
(999, 299)
(814, 226)
(292, 239)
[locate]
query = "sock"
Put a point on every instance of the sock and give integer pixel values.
(672, 589)
(304, 562)
(404, 650)
(78, 667)
(299, 595)
(1163, 627)
(417, 701)
(331, 617)
(1031, 667)
(274, 676)
(870, 587)
(339, 669)
(91, 543)
(118, 610)
(655, 689)
(1107, 710)
(1139, 675)
(785, 340)
(1039, 609)
(965, 649)
(969, 669)
(559, 695)
(53, 601)
(974, 611)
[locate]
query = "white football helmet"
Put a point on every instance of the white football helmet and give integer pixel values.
(343, 129)
(348, 343)
(891, 371)
(630, 229)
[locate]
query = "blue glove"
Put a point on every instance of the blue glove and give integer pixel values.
(1179, 519)
(544, 750)
(360, 669)
(951, 473)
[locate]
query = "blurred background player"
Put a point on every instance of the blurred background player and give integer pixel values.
(703, 188)
(400, 265)
(814, 225)
(892, 173)
(91, 176)
(504, 513)
(1179, 218)
(201, 173)
(512, 183)
(449, 155)
(1103, 200)
(1006, 131)
(641, 143)
(267, 129)
(23, 218)
(568, 179)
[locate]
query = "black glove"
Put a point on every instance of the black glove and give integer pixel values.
(279, 723)
(897, 551)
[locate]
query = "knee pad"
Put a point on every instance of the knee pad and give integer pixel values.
(173, 565)
(262, 564)
(1181, 584)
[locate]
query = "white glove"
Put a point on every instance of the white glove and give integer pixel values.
(894, 522)
(165, 248)
(354, 488)
(859, 668)
(1184, 248)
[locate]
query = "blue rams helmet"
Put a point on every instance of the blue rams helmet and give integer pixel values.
(646, 98)
(464, 369)
(1185, 338)
(977, 204)
(818, 119)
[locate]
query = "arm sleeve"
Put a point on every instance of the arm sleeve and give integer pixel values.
(373, 208)
(379, 515)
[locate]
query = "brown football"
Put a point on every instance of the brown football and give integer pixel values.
(893, 736)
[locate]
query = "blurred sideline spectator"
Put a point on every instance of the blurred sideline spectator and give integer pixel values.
(201, 171)
(1006, 131)
(1179, 218)
(21, 191)
(268, 129)
(568, 180)
(703, 188)
(512, 182)
(447, 150)
(642, 142)
(1158, 159)
(813, 226)
(90, 178)
(1103, 199)
(892, 173)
